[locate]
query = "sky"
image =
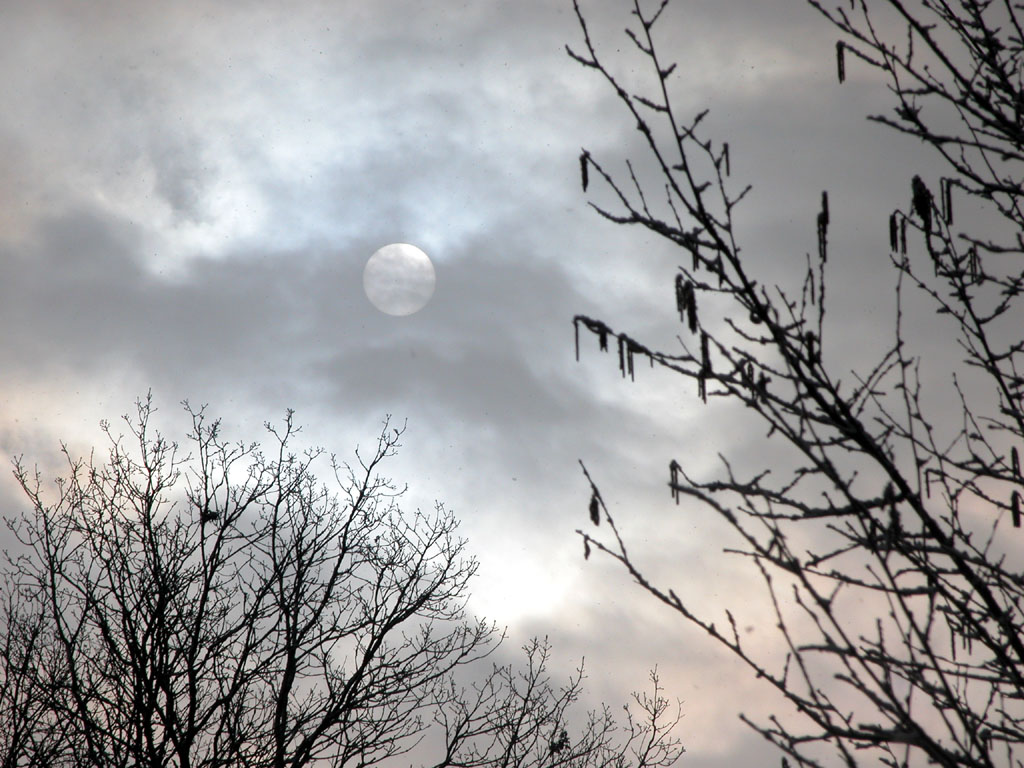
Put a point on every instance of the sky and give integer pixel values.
(189, 192)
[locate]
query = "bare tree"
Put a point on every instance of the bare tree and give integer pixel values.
(516, 718)
(29, 730)
(226, 608)
(906, 505)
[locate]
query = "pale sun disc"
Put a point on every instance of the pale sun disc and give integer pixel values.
(399, 279)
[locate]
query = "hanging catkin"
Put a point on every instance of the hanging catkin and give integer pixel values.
(823, 228)
(681, 298)
(974, 264)
(686, 302)
(922, 201)
(705, 368)
(691, 307)
(1015, 499)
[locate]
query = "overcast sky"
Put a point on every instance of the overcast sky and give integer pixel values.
(189, 192)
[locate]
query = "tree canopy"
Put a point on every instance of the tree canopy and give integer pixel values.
(226, 607)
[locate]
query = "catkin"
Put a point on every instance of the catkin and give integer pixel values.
(922, 201)
(823, 228)
(681, 297)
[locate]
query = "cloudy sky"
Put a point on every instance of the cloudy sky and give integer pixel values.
(189, 192)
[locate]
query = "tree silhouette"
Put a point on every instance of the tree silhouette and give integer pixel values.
(885, 551)
(226, 608)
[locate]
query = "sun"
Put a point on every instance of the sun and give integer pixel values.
(399, 279)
